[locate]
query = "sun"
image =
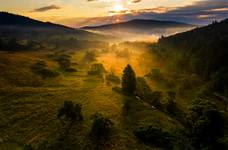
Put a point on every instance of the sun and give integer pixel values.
(118, 8)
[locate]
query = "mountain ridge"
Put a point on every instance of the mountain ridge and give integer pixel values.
(18, 26)
(140, 22)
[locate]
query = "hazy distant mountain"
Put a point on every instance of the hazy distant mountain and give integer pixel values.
(17, 26)
(142, 27)
(140, 23)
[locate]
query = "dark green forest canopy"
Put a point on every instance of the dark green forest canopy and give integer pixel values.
(203, 51)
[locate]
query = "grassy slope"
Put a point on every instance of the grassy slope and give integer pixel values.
(28, 112)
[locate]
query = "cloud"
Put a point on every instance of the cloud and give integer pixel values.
(201, 12)
(135, 1)
(46, 8)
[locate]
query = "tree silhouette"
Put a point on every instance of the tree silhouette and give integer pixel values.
(71, 111)
(205, 125)
(129, 80)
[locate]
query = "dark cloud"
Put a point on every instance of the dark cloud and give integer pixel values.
(46, 8)
(135, 1)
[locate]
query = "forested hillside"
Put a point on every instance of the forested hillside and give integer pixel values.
(16, 26)
(203, 51)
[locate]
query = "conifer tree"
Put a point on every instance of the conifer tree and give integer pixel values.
(129, 80)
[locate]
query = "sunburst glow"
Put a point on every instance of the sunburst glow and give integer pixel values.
(118, 8)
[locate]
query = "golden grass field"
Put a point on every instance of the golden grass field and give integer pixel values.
(29, 104)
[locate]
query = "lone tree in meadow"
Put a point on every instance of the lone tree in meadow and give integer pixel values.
(70, 111)
(128, 80)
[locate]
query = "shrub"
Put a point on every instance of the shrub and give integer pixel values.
(171, 105)
(64, 62)
(145, 93)
(71, 111)
(154, 136)
(101, 127)
(41, 69)
(96, 69)
(156, 74)
(126, 105)
(156, 99)
(90, 56)
(113, 78)
(205, 125)
(142, 89)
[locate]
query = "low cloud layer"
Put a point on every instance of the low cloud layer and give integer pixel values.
(46, 8)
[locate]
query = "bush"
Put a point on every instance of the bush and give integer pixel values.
(41, 69)
(101, 127)
(90, 56)
(113, 78)
(96, 69)
(142, 89)
(156, 74)
(126, 105)
(145, 93)
(171, 105)
(71, 111)
(154, 136)
(156, 99)
(64, 62)
(205, 125)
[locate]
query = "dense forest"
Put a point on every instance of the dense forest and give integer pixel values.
(202, 51)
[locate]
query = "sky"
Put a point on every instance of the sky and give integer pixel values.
(78, 13)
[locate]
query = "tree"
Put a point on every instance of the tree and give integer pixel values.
(171, 105)
(154, 135)
(204, 125)
(13, 44)
(71, 111)
(129, 80)
(101, 127)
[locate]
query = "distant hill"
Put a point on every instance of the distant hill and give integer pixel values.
(204, 50)
(12, 25)
(140, 23)
(142, 27)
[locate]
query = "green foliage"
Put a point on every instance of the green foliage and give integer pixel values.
(129, 80)
(113, 78)
(171, 106)
(155, 74)
(90, 56)
(142, 89)
(154, 136)
(190, 55)
(64, 62)
(205, 125)
(156, 99)
(127, 105)
(14, 44)
(71, 111)
(41, 69)
(101, 127)
(96, 69)
(145, 93)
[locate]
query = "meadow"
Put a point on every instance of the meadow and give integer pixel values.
(29, 103)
